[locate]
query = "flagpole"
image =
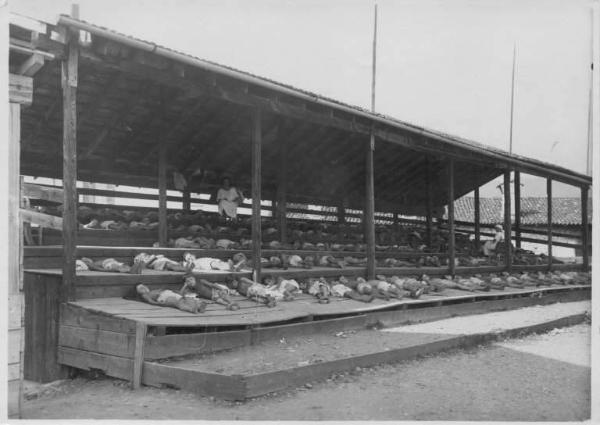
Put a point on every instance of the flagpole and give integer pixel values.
(374, 69)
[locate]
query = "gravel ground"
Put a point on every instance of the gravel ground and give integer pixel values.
(519, 379)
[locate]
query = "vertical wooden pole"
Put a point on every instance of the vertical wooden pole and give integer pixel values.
(549, 210)
(370, 208)
(282, 192)
(477, 219)
(451, 236)
(138, 355)
(429, 205)
(518, 209)
(341, 211)
(256, 192)
(69, 77)
(162, 194)
(507, 222)
(187, 199)
(585, 228)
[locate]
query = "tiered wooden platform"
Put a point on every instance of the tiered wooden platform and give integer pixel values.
(102, 330)
(129, 339)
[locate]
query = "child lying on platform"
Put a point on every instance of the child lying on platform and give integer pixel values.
(111, 265)
(168, 298)
(159, 262)
(206, 263)
(254, 291)
(208, 290)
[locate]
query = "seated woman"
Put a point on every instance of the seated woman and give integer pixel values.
(208, 290)
(489, 247)
(229, 198)
(168, 298)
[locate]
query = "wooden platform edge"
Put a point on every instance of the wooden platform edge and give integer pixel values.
(264, 383)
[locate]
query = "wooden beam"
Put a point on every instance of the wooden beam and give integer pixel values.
(141, 330)
(477, 219)
(507, 222)
(46, 193)
(256, 192)
(451, 227)
(282, 188)
(32, 65)
(41, 219)
(549, 211)
(585, 229)
(69, 79)
(20, 89)
(369, 215)
(162, 194)
(518, 209)
(429, 206)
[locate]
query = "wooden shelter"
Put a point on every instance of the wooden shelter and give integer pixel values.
(110, 108)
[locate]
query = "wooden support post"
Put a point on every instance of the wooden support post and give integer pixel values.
(585, 228)
(256, 192)
(451, 235)
(477, 220)
(162, 194)
(369, 215)
(138, 354)
(428, 206)
(186, 200)
(282, 192)
(549, 210)
(518, 209)
(507, 223)
(341, 211)
(69, 77)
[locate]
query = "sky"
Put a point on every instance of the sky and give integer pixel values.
(445, 65)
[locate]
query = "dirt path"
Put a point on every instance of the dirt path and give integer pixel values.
(524, 379)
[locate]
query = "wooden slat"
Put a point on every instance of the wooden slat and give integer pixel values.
(20, 89)
(202, 383)
(256, 191)
(507, 223)
(158, 347)
(115, 366)
(69, 78)
(477, 220)
(41, 219)
(106, 342)
(47, 193)
(74, 316)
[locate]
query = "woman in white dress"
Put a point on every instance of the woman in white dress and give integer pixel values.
(229, 198)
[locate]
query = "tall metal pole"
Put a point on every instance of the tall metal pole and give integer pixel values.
(512, 99)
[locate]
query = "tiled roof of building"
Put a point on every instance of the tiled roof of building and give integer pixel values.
(565, 211)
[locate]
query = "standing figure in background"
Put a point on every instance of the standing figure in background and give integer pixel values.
(229, 198)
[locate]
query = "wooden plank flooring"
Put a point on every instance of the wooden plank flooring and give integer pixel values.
(304, 306)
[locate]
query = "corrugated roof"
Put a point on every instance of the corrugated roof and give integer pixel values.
(565, 211)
